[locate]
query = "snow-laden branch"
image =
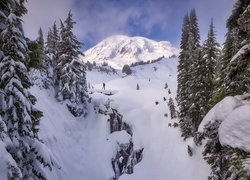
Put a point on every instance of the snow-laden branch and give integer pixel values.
(241, 52)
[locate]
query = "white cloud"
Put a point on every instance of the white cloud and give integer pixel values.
(95, 19)
(43, 13)
(98, 19)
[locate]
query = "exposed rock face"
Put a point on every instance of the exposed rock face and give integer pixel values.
(116, 123)
(126, 157)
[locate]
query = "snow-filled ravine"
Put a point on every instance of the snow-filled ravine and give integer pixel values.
(83, 148)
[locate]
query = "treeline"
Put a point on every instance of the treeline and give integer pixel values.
(146, 62)
(104, 67)
(206, 74)
(57, 64)
(57, 61)
(24, 154)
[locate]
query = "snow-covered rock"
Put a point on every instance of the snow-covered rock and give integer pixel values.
(220, 111)
(119, 50)
(233, 114)
(235, 129)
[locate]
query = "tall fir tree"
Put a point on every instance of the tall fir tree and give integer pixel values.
(40, 38)
(210, 56)
(227, 162)
(172, 109)
(52, 41)
(72, 86)
(195, 81)
(48, 46)
(18, 112)
(37, 53)
(189, 79)
(237, 80)
(51, 58)
(182, 95)
(234, 77)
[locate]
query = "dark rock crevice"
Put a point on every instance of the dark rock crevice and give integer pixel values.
(126, 157)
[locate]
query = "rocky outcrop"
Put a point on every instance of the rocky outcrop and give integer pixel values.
(125, 160)
(116, 123)
(126, 156)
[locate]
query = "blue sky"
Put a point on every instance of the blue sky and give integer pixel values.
(154, 19)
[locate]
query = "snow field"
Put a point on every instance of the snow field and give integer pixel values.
(83, 148)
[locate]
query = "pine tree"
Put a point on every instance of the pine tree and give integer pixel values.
(7, 161)
(230, 47)
(210, 55)
(72, 86)
(189, 79)
(51, 58)
(52, 40)
(234, 76)
(137, 87)
(40, 63)
(182, 95)
(237, 80)
(37, 52)
(49, 44)
(40, 38)
(19, 114)
(227, 162)
(195, 81)
(172, 109)
(126, 69)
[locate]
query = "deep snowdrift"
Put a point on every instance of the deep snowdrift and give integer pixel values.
(83, 148)
(234, 115)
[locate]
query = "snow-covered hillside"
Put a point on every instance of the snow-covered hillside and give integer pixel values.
(83, 148)
(119, 50)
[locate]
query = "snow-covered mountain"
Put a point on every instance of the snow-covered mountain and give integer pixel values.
(119, 50)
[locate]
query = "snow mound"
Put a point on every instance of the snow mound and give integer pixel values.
(106, 92)
(234, 115)
(220, 111)
(119, 137)
(235, 129)
(119, 50)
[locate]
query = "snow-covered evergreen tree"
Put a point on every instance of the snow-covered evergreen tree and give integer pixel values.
(126, 69)
(182, 95)
(172, 109)
(18, 112)
(37, 53)
(71, 76)
(210, 56)
(227, 162)
(190, 80)
(234, 76)
(52, 41)
(237, 80)
(51, 57)
(7, 161)
(40, 38)
(196, 77)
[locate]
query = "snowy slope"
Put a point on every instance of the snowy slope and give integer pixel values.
(83, 148)
(165, 153)
(119, 50)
